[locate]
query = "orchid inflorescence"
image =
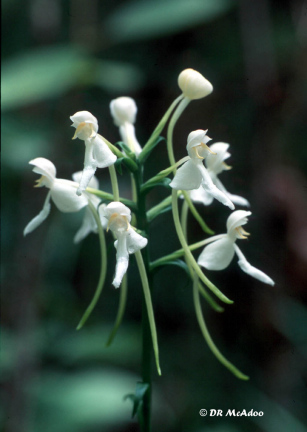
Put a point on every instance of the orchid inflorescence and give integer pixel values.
(195, 180)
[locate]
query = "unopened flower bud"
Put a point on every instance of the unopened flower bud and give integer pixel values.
(123, 109)
(193, 84)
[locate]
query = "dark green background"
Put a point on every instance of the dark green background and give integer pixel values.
(60, 57)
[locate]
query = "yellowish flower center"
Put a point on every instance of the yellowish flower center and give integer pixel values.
(40, 182)
(118, 222)
(84, 131)
(227, 167)
(241, 233)
(202, 146)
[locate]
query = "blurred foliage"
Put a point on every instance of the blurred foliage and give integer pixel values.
(60, 57)
(50, 72)
(151, 19)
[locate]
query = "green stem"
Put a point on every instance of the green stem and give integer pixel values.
(134, 197)
(156, 210)
(151, 182)
(207, 336)
(114, 182)
(179, 110)
(150, 313)
(121, 310)
(184, 224)
(110, 197)
(103, 268)
(154, 136)
(189, 255)
(180, 252)
(195, 213)
(128, 161)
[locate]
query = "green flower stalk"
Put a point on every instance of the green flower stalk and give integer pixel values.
(103, 269)
(189, 255)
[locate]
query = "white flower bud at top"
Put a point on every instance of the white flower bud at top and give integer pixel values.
(123, 109)
(193, 84)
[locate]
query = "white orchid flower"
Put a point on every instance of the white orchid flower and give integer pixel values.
(215, 163)
(193, 174)
(97, 152)
(118, 218)
(63, 194)
(218, 255)
(124, 110)
(88, 224)
(193, 84)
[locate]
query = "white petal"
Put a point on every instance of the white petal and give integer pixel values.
(64, 196)
(122, 260)
(37, 220)
(127, 132)
(238, 200)
(88, 225)
(201, 196)
(103, 156)
(87, 174)
(196, 138)
(94, 183)
(90, 166)
(84, 117)
(214, 162)
(236, 219)
(217, 255)
(210, 187)
(123, 109)
(103, 219)
(256, 273)
(119, 208)
(120, 271)
(135, 241)
(44, 167)
(187, 177)
(252, 271)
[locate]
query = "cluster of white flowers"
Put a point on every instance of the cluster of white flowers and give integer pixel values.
(71, 196)
(196, 179)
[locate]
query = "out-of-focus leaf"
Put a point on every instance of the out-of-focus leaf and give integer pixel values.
(7, 5)
(20, 143)
(90, 344)
(41, 74)
(117, 76)
(150, 19)
(79, 401)
(274, 418)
